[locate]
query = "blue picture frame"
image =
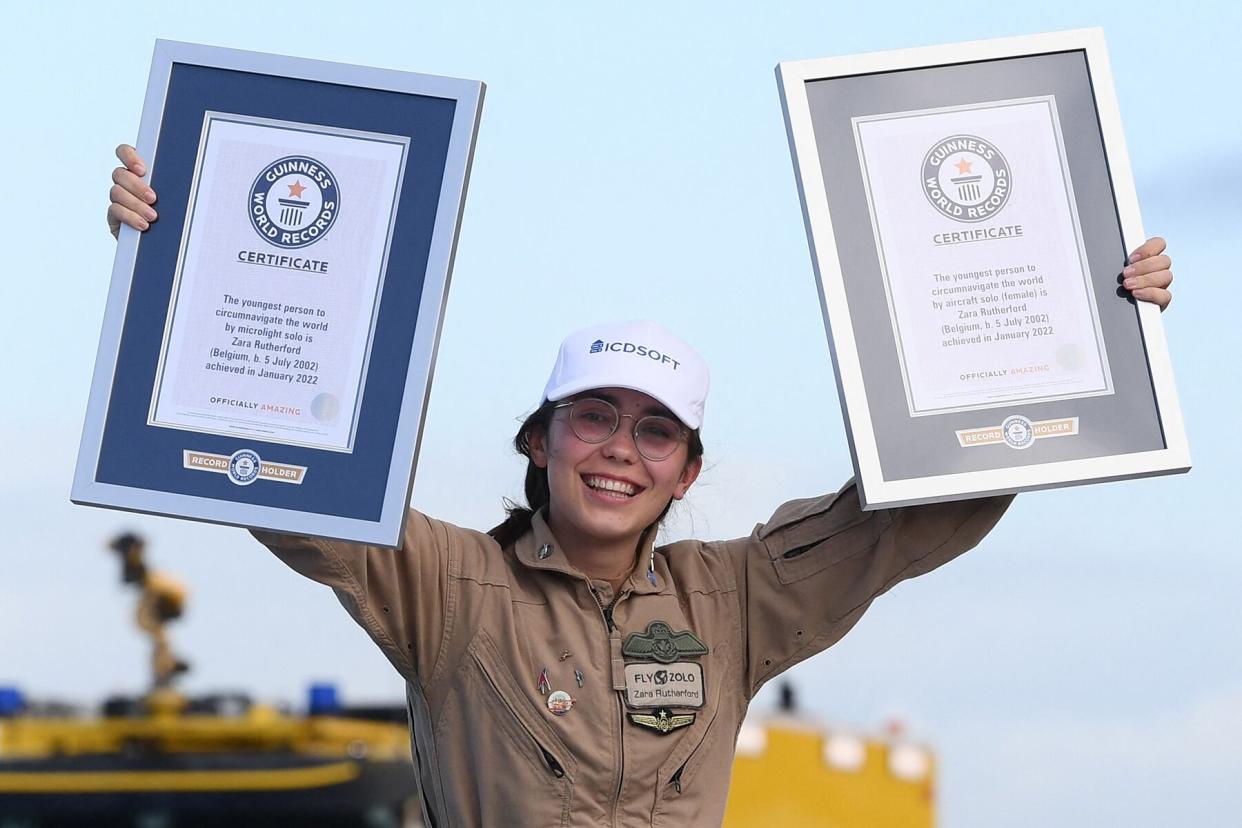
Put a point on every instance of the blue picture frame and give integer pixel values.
(127, 462)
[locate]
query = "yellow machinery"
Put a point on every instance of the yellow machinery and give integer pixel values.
(789, 773)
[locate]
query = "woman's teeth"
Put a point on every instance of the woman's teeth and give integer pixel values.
(613, 486)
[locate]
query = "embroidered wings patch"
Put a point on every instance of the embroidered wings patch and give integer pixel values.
(660, 643)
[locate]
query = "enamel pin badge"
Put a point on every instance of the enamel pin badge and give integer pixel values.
(560, 702)
(662, 721)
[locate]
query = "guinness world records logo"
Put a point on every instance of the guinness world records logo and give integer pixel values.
(244, 466)
(966, 178)
(294, 201)
(1018, 432)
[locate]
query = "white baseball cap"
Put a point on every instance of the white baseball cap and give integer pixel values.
(641, 356)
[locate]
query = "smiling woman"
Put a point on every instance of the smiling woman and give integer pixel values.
(607, 675)
(608, 483)
(562, 669)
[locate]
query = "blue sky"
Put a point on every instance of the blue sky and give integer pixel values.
(1080, 668)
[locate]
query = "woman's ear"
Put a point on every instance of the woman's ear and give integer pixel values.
(688, 475)
(538, 442)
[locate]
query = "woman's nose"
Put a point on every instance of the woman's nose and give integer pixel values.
(621, 444)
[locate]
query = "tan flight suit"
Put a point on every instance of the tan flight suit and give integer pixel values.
(474, 628)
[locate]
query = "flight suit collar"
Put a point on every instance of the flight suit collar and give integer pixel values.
(538, 549)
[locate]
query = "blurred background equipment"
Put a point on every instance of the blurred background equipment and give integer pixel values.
(166, 760)
(162, 601)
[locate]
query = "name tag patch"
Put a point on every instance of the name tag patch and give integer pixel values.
(679, 684)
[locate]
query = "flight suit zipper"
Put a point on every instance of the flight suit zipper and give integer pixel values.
(552, 764)
(610, 626)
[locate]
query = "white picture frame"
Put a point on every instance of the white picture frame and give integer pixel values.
(820, 99)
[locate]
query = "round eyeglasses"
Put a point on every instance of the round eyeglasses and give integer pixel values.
(593, 420)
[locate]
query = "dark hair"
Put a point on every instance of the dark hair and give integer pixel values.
(537, 492)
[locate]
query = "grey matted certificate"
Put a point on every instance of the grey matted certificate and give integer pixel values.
(969, 209)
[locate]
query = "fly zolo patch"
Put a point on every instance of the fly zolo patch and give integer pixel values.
(679, 684)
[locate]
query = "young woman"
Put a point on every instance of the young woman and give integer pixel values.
(562, 669)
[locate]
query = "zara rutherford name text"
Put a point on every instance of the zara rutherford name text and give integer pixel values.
(282, 261)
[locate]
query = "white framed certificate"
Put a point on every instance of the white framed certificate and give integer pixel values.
(969, 209)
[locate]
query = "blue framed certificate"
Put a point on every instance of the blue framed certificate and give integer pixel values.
(268, 345)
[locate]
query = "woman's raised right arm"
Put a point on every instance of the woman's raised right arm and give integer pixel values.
(399, 596)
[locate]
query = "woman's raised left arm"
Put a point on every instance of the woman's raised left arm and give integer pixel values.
(809, 573)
